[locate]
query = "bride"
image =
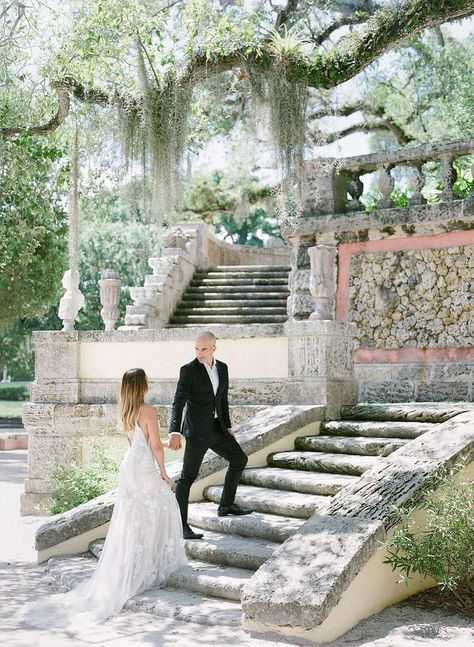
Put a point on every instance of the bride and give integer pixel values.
(144, 543)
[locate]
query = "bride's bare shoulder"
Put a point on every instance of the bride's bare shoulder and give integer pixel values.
(148, 411)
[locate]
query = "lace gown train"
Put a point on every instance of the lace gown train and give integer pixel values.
(144, 545)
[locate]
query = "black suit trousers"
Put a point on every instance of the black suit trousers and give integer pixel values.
(222, 444)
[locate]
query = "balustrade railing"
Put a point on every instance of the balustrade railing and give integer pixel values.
(336, 185)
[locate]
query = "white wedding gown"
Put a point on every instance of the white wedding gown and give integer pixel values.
(144, 545)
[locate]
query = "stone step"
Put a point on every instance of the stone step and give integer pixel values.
(243, 319)
(257, 525)
(244, 283)
(169, 602)
(236, 274)
(238, 289)
(297, 481)
(248, 268)
(352, 445)
(233, 303)
(212, 580)
(416, 412)
(382, 429)
(245, 297)
(165, 602)
(184, 310)
(272, 501)
(323, 462)
(230, 550)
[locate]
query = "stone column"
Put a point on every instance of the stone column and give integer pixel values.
(321, 363)
(322, 283)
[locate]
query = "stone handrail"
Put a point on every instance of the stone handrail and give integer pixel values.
(329, 181)
(188, 247)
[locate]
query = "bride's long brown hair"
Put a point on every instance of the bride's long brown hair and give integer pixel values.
(133, 389)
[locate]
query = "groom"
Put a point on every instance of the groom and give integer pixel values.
(202, 386)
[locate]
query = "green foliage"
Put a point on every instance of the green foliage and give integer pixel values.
(14, 392)
(239, 209)
(32, 227)
(427, 90)
(125, 248)
(80, 483)
(444, 549)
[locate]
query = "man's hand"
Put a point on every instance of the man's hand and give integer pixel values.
(174, 442)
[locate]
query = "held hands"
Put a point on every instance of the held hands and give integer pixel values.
(166, 478)
(174, 442)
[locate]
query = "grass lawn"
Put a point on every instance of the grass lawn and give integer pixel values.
(10, 409)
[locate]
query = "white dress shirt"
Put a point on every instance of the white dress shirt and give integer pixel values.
(214, 377)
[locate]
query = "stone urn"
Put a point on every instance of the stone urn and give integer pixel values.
(322, 281)
(110, 285)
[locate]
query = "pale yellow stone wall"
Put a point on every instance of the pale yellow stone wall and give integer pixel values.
(265, 357)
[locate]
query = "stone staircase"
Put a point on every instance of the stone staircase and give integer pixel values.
(234, 294)
(284, 494)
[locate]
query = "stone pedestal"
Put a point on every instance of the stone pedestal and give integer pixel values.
(321, 363)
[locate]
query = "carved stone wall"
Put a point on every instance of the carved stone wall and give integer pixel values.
(416, 298)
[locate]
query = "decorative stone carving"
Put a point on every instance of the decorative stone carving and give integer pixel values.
(322, 281)
(417, 181)
(386, 184)
(355, 189)
(448, 178)
(176, 238)
(110, 285)
(72, 301)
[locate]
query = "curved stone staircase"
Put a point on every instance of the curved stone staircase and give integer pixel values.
(283, 495)
(234, 294)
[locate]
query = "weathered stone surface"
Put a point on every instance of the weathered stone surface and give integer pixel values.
(412, 298)
(323, 462)
(258, 525)
(163, 602)
(398, 477)
(353, 445)
(443, 391)
(75, 522)
(302, 581)
(383, 429)
(278, 502)
(387, 391)
(296, 481)
(426, 412)
(230, 550)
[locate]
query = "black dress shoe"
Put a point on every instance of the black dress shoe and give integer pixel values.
(223, 511)
(188, 533)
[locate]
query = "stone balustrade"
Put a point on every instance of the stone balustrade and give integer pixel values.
(335, 185)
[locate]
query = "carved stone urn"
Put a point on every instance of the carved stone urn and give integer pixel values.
(110, 285)
(322, 281)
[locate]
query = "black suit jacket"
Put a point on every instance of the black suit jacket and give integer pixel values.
(195, 390)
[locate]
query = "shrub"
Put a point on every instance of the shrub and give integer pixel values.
(444, 549)
(12, 391)
(80, 483)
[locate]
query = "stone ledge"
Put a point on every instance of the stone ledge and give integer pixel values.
(265, 428)
(222, 331)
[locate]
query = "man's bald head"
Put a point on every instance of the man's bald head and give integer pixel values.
(209, 336)
(205, 345)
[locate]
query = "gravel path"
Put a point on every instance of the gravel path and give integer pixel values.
(21, 580)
